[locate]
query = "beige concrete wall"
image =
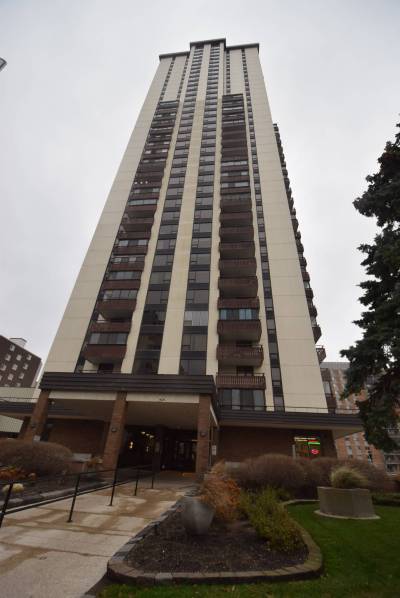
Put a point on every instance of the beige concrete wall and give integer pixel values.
(71, 332)
(171, 92)
(172, 338)
(301, 379)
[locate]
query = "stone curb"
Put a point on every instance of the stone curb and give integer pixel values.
(118, 570)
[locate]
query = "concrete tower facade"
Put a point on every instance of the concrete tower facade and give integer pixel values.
(190, 333)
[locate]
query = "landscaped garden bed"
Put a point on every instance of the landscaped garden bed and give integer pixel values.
(232, 547)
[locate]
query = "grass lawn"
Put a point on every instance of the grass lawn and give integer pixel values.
(361, 558)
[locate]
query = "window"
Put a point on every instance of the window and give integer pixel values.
(105, 338)
(3, 367)
(110, 295)
(196, 318)
(163, 260)
(160, 277)
(25, 366)
(169, 216)
(157, 297)
(238, 314)
(168, 229)
(201, 242)
(14, 366)
(124, 275)
(197, 296)
(200, 259)
(153, 316)
(203, 214)
(7, 357)
(194, 342)
(192, 366)
(166, 244)
(10, 376)
(29, 357)
(149, 342)
(12, 347)
(21, 375)
(199, 276)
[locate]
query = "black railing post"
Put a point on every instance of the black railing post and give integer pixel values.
(137, 480)
(5, 503)
(74, 498)
(153, 474)
(113, 487)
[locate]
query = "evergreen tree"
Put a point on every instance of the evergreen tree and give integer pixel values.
(375, 359)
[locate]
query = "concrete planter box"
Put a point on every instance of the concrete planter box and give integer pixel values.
(355, 503)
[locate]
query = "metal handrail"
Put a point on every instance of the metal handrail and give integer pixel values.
(289, 409)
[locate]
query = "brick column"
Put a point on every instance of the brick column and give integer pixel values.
(203, 435)
(38, 418)
(115, 432)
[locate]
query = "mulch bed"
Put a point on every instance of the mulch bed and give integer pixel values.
(235, 547)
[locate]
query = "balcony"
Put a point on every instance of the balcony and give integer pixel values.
(236, 219)
(234, 356)
(253, 382)
(321, 353)
(139, 224)
(231, 268)
(236, 233)
(229, 206)
(239, 330)
(317, 333)
(238, 287)
(135, 235)
(104, 353)
(127, 266)
(110, 326)
(139, 211)
(249, 302)
(236, 250)
(116, 308)
(120, 284)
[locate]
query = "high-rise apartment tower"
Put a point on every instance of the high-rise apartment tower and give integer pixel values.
(190, 332)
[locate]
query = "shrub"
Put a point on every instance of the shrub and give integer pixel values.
(223, 494)
(271, 470)
(271, 521)
(388, 499)
(377, 479)
(324, 466)
(41, 458)
(347, 477)
(313, 476)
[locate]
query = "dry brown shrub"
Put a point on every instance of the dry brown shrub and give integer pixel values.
(223, 494)
(312, 477)
(219, 469)
(377, 479)
(324, 465)
(41, 458)
(271, 470)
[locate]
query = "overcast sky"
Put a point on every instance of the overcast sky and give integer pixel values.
(77, 74)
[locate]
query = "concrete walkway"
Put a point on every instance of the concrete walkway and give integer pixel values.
(42, 556)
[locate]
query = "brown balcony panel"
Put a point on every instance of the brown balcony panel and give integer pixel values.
(120, 284)
(246, 356)
(235, 205)
(230, 190)
(135, 235)
(133, 250)
(239, 330)
(236, 219)
(236, 250)
(248, 302)
(321, 353)
(104, 353)
(116, 308)
(141, 211)
(127, 266)
(140, 224)
(232, 268)
(253, 382)
(317, 333)
(238, 287)
(236, 233)
(110, 326)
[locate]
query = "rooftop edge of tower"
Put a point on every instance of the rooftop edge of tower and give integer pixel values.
(210, 41)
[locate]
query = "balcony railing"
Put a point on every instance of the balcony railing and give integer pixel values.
(140, 224)
(248, 302)
(252, 382)
(231, 268)
(236, 250)
(239, 330)
(236, 219)
(236, 233)
(321, 353)
(235, 205)
(317, 333)
(116, 308)
(141, 211)
(104, 353)
(232, 355)
(238, 287)
(110, 326)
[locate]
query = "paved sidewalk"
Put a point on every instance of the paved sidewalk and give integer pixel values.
(42, 556)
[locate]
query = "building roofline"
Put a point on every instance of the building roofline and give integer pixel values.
(210, 41)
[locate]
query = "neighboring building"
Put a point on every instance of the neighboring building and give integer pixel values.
(18, 366)
(2, 63)
(190, 332)
(355, 446)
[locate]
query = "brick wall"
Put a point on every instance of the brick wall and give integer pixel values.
(81, 436)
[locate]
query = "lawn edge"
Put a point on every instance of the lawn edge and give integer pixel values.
(118, 570)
